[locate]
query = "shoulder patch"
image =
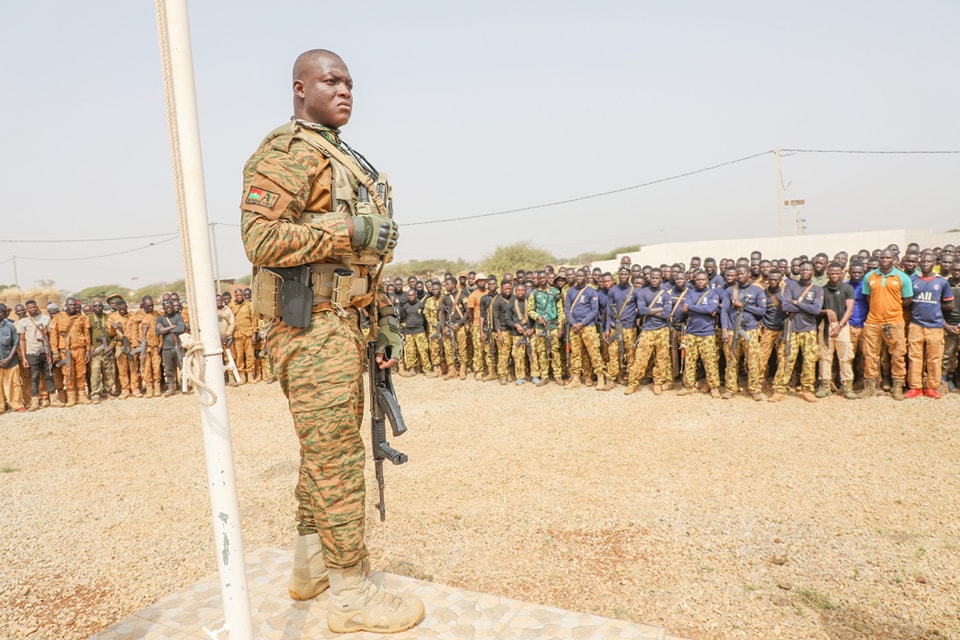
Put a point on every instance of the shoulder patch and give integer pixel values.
(262, 197)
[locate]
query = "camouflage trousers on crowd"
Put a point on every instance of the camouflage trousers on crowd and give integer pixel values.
(75, 376)
(769, 343)
(704, 348)
(128, 371)
(873, 338)
(654, 343)
(614, 359)
(925, 346)
(504, 351)
(455, 347)
(523, 355)
(103, 374)
(416, 352)
(804, 342)
(550, 363)
(435, 357)
(479, 349)
(588, 341)
(748, 348)
(491, 353)
(320, 371)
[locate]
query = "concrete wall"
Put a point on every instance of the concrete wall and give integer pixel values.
(781, 247)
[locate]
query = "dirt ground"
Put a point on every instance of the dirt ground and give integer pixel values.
(714, 519)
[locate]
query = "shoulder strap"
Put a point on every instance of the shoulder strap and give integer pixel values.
(676, 305)
(330, 150)
(576, 298)
(627, 299)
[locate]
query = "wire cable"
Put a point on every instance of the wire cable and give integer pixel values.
(106, 255)
(47, 241)
(592, 195)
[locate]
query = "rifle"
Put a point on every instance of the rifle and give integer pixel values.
(737, 333)
(68, 359)
(620, 345)
(45, 338)
(566, 343)
(383, 406)
(143, 349)
(674, 351)
(232, 365)
(785, 337)
(491, 343)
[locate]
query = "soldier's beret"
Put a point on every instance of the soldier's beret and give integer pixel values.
(114, 297)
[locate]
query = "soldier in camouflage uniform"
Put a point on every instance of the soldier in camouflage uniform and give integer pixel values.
(747, 302)
(412, 324)
(652, 304)
(303, 188)
(124, 324)
(582, 309)
(546, 309)
(70, 332)
(802, 301)
(431, 313)
(103, 377)
(700, 341)
(454, 314)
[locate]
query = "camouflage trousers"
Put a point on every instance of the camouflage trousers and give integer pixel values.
(749, 349)
(435, 351)
(951, 349)
(586, 341)
(491, 354)
(613, 352)
(479, 348)
(523, 355)
(320, 370)
(504, 350)
(459, 338)
(769, 341)
(654, 343)
(416, 351)
(554, 363)
(128, 370)
(705, 349)
(103, 374)
(805, 342)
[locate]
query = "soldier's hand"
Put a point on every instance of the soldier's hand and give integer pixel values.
(726, 335)
(685, 308)
(737, 302)
(375, 232)
(25, 363)
(952, 329)
(86, 356)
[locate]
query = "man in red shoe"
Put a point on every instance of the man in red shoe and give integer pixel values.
(932, 298)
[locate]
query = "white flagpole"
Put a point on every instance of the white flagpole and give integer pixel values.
(204, 359)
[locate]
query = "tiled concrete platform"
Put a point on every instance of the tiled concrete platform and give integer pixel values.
(451, 613)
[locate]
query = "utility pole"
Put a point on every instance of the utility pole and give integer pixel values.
(776, 154)
(16, 280)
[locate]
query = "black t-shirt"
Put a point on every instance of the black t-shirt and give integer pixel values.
(836, 299)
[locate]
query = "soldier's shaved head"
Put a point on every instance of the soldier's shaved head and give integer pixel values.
(309, 58)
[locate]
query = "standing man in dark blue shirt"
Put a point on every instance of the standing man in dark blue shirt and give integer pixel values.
(802, 301)
(748, 303)
(932, 299)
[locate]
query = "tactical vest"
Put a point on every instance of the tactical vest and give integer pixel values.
(338, 282)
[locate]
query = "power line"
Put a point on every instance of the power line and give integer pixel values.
(876, 152)
(47, 241)
(106, 255)
(592, 195)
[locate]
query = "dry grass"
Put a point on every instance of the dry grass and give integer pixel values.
(714, 519)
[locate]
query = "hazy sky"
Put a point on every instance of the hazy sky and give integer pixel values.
(482, 107)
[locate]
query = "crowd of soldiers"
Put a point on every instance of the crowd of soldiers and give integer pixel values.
(87, 353)
(882, 321)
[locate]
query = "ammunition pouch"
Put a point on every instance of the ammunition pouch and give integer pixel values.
(292, 294)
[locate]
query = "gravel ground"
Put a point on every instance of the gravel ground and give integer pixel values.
(714, 519)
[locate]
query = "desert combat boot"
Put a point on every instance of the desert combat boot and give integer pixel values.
(357, 604)
(309, 577)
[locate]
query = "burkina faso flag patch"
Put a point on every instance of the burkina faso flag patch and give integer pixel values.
(262, 197)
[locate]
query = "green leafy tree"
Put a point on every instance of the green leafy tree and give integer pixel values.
(520, 255)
